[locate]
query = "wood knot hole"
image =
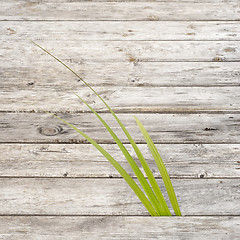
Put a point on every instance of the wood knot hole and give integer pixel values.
(218, 59)
(50, 130)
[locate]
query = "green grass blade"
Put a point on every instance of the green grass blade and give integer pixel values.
(118, 167)
(162, 169)
(136, 149)
(68, 69)
(158, 207)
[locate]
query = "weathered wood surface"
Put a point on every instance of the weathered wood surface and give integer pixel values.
(97, 196)
(179, 59)
(141, 99)
(50, 75)
(66, 160)
(85, 10)
(110, 228)
(121, 31)
(163, 128)
(122, 51)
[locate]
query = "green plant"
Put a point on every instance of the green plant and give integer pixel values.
(153, 201)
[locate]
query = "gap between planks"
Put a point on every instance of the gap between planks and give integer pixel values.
(189, 112)
(42, 177)
(114, 216)
(58, 20)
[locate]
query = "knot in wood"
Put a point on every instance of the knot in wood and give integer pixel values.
(218, 59)
(50, 130)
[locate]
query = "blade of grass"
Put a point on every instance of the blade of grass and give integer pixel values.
(118, 167)
(135, 147)
(162, 169)
(156, 204)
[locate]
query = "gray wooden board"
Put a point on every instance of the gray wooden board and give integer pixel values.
(120, 51)
(112, 196)
(51, 75)
(83, 160)
(81, 10)
(122, 99)
(115, 30)
(118, 227)
(163, 128)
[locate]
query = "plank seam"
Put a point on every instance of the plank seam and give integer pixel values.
(187, 112)
(130, 40)
(115, 177)
(124, 142)
(107, 215)
(115, 20)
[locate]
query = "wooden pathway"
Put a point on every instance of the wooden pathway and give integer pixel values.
(174, 64)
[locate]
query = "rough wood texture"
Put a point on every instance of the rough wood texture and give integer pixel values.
(175, 64)
(66, 160)
(115, 228)
(115, 30)
(83, 10)
(141, 99)
(122, 51)
(163, 128)
(112, 196)
(26, 76)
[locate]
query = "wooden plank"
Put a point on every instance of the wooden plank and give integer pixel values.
(163, 128)
(110, 227)
(68, 160)
(24, 74)
(122, 99)
(121, 51)
(121, 31)
(81, 10)
(104, 196)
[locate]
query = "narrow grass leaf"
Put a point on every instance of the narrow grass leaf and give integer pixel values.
(136, 149)
(162, 169)
(118, 167)
(158, 207)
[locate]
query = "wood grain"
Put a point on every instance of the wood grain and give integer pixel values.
(67, 160)
(25, 75)
(175, 64)
(140, 99)
(81, 10)
(112, 196)
(163, 128)
(121, 51)
(111, 227)
(121, 31)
